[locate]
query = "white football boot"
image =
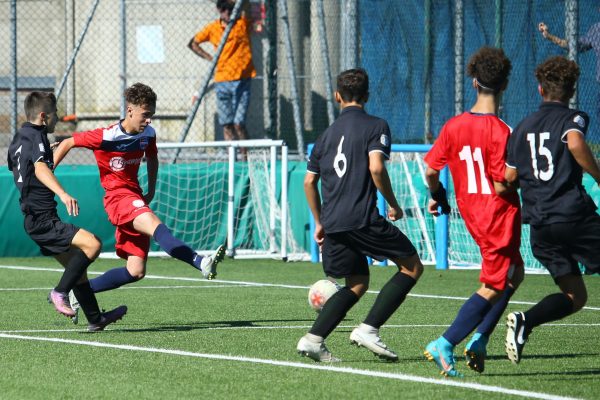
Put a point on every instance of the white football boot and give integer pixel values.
(368, 337)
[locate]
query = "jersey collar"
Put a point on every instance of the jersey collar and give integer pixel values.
(40, 128)
(353, 108)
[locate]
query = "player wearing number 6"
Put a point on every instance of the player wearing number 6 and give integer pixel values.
(473, 145)
(349, 159)
(547, 155)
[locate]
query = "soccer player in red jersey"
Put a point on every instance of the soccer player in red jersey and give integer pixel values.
(473, 145)
(119, 150)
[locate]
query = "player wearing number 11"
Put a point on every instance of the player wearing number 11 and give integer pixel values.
(473, 145)
(547, 155)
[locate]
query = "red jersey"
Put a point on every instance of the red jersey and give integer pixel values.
(474, 148)
(118, 154)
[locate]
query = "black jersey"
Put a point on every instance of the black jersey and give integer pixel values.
(550, 178)
(29, 146)
(341, 158)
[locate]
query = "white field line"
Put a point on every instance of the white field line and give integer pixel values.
(131, 287)
(259, 284)
(275, 327)
(289, 364)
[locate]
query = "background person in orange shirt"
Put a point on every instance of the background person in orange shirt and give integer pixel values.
(234, 68)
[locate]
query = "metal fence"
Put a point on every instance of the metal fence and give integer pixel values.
(415, 51)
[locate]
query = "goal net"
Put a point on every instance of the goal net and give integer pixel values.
(213, 193)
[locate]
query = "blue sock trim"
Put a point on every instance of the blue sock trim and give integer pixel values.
(111, 279)
(175, 247)
(469, 316)
(490, 321)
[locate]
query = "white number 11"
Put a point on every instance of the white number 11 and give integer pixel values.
(466, 155)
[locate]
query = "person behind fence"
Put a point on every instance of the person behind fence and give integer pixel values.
(590, 41)
(31, 162)
(234, 70)
(349, 158)
(119, 150)
(473, 145)
(547, 155)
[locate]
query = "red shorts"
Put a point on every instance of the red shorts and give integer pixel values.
(122, 208)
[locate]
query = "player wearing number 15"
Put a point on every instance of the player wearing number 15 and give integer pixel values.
(473, 145)
(547, 155)
(349, 158)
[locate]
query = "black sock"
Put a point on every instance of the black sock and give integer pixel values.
(87, 300)
(551, 308)
(389, 299)
(75, 268)
(333, 312)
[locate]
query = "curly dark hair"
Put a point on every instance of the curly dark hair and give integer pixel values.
(353, 85)
(558, 76)
(139, 94)
(490, 67)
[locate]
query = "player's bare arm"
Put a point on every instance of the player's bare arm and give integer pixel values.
(152, 168)
(45, 175)
(504, 188)
(382, 182)
(582, 154)
(311, 191)
(198, 50)
(512, 177)
(543, 28)
(62, 150)
(432, 177)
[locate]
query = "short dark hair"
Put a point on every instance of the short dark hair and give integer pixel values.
(490, 67)
(225, 5)
(558, 76)
(139, 94)
(37, 102)
(353, 85)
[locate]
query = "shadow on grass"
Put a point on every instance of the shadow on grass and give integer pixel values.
(216, 324)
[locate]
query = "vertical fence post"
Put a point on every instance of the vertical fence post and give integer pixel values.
(123, 56)
(13, 67)
(284, 201)
(498, 23)
(325, 57)
(292, 70)
(458, 56)
(571, 28)
(427, 72)
(348, 37)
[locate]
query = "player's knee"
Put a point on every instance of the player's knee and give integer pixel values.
(579, 300)
(138, 275)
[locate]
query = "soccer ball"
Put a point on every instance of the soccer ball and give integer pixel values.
(320, 292)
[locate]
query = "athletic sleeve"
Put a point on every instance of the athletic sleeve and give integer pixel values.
(497, 164)
(90, 139)
(203, 35)
(151, 151)
(380, 140)
(436, 157)
(578, 121)
(38, 149)
(313, 161)
(511, 147)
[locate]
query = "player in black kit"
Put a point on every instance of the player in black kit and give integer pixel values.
(349, 159)
(31, 161)
(547, 155)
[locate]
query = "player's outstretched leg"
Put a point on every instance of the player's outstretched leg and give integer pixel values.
(208, 265)
(368, 337)
(108, 318)
(475, 352)
(442, 353)
(516, 336)
(313, 347)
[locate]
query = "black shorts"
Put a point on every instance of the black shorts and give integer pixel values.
(561, 246)
(344, 253)
(50, 233)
